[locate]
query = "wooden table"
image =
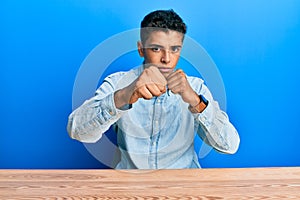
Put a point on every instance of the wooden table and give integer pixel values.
(240, 183)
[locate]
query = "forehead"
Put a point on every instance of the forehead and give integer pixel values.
(168, 38)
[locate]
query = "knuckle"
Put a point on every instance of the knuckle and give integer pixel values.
(139, 82)
(147, 71)
(152, 68)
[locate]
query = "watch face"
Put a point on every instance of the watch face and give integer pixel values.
(203, 99)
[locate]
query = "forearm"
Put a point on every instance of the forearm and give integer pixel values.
(88, 122)
(122, 96)
(216, 130)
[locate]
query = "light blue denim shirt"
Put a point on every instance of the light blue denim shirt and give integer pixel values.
(157, 133)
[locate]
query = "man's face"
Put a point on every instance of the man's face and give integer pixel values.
(162, 49)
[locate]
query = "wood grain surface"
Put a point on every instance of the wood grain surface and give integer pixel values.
(238, 183)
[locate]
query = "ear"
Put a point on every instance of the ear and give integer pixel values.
(140, 48)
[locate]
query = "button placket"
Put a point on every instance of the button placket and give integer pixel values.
(155, 132)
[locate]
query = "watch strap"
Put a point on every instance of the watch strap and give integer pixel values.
(200, 106)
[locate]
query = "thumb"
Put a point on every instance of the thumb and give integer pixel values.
(134, 97)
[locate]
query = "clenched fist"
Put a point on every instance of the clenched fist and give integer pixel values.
(149, 84)
(178, 84)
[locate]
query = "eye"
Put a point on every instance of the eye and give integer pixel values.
(175, 49)
(155, 49)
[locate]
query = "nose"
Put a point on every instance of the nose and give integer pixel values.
(165, 58)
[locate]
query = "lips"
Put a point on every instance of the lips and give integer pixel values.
(165, 69)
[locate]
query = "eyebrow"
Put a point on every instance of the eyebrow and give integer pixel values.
(160, 46)
(154, 45)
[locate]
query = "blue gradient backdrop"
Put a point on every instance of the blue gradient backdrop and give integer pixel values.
(255, 45)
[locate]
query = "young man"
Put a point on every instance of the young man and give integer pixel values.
(155, 109)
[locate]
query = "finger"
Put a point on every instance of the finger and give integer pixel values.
(177, 79)
(177, 89)
(134, 97)
(154, 90)
(174, 84)
(176, 74)
(162, 88)
(145, 93)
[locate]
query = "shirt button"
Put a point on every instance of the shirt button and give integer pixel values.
(203, 118)
(158, 100)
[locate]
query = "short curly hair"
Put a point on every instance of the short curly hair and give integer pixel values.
(161, 20)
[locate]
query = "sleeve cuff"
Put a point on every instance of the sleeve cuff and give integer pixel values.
(206, 116)
(113, 110)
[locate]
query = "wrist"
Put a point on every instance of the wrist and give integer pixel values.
(195, 100)
(200, 106)
(121, 98)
